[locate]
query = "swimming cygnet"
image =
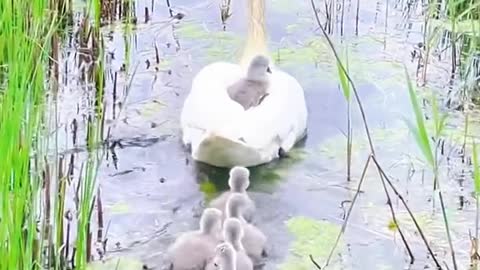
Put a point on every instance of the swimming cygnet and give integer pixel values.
(254, 241)
(233, 234)
(239, 181)
(193, 250)
(251, 90)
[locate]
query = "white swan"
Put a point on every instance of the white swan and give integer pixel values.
(220, 131)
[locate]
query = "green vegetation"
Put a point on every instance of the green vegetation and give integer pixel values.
(24, 47)
(422, 138)
(345, 84)
(35, 227)
(476, 181)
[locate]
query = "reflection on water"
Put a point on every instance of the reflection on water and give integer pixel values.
(152, 190)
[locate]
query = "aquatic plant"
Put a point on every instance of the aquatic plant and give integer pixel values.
(422, 138)
(345, 84)
(385, 180)
(26, 30)
(36, 227)
(476, 181)
(455, 25)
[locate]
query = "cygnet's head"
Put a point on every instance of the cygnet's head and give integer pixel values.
(211, 220)
(259, 68)
(235, 205)
(239, 179)
(225, 256)
(233, 232)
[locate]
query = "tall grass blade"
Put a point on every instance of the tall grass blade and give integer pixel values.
(343, 78)
(476, 169)
(439, 118)
(420, 131)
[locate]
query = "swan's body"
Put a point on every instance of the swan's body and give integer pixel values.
(195, 249)
(222, 133)
(238, 182)
(254, 241)
(225, 127)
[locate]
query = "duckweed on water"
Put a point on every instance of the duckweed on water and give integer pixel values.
(222, 43)
(119, 208)
(313, 237)
(209, 189)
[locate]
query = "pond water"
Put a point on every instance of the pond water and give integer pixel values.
(152, 190)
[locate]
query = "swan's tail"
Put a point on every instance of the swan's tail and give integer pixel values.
(222, 151)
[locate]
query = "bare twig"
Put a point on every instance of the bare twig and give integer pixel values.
(357, 17)
(349, 140)
(447, 228)
(344, 225)
(422, 235)
(314, 262)
(392, 211)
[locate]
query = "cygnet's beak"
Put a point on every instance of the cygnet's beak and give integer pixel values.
(269, 70)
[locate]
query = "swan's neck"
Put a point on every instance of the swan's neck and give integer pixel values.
(256, 42)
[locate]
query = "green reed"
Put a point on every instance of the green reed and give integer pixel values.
(32, 183)
(476, 181)
(26, 28)
(422, 137)
(345, 85)
(95, 122)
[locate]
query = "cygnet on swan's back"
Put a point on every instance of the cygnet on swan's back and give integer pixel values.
(239, 181)
(193, 250)
(254, 240)
(251, 90)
